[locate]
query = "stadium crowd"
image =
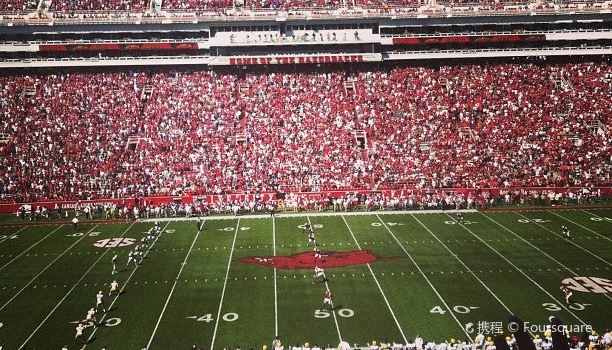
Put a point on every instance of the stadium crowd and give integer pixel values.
(111, 135)
(63, 7)
(480, 342)
(96, 5)
(18, 5)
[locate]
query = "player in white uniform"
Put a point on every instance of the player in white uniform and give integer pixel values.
(139, 253)
(567, 294)
(91, 315)
(114, 261)
(308, 228)
(100, 301)
(79, 333)
(113, 288)
(311, 239)
(319, 274)
(344, 346)
(593, 340)
(537, 342)
(460, 217)
(130, 258)
(566, 232)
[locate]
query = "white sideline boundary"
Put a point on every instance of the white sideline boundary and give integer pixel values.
(32, 246)
(426, 278)
(73, 288)
(127, 281)
(538, 249)
(520, 271)
(161, 315)
(378, 284)
(312, 214)
(229, 263)
(578, 224)
(327, 286)
(46, 268)
(569, 241)
(275, 288)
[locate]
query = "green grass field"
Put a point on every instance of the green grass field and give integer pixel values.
(433, 277)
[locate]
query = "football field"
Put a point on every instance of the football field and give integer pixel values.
(241, 280)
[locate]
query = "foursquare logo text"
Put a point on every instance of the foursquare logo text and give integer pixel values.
(491, 328)
(541, 328)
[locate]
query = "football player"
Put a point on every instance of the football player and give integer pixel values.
(130, 258)
(79, 333)
(566, 232)
(319, 274)
(114, 261)
(113, 288)
(460, 217)
(567, 294)
(100, 302)
(91, 316)
(537, 342)
(311, 239)
(317, 253)
(308, 228)
(327, 300)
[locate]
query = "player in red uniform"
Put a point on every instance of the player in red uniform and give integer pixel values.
(327, 300)
(317, 253)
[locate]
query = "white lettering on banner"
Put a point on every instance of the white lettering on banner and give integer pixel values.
(588, 284)
(114, 242)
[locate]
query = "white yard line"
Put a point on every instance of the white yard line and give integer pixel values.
(46, 268)
(584, 227)
(465, 266)
(536, 247)
(462, 326)
(73, 288)
(12, 234)
(378, 284)
(313, 214)
(327, 286)
(229, 263)
(519, 270)
(468, 269)
(594, 214)
(275, 289)
(27, 250)
(127, 281)
(569, 241)
(161, 315)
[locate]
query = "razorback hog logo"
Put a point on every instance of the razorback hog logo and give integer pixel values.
(307, 260)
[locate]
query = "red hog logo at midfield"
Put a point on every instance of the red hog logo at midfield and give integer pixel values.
(306, 260)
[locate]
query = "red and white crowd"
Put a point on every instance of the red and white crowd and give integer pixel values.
(97, 5)
(18, 5)
(100, 135)
(62, 8)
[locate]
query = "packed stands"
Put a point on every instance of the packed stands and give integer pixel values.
(113, 8)
(18, 5)
(109, 135)
(96, 5)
